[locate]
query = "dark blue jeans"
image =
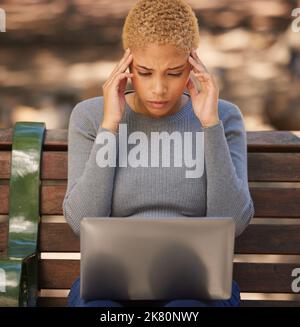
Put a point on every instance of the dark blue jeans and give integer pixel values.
(74, 300)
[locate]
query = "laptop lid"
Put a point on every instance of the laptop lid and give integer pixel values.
(131, 258)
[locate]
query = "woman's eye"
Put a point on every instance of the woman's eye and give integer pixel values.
(147, 74)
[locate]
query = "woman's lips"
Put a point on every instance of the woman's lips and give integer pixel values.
(158, 104)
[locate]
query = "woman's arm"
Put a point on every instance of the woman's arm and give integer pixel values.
(225, 146)
(90, 186)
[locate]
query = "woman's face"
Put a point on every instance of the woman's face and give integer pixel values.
(157, 80)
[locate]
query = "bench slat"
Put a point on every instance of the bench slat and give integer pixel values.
(3, 236)
(285, 201)
(266, 303)
(251, 277)
(5, 164)
(4, 192)
(264, 277)
(266, 141)
(54, 165)
(52, 302)
(274, 167)
(256, 239)
(62, 302)
(276, 202)
(262, 167)
(269, 239)
(55, 139)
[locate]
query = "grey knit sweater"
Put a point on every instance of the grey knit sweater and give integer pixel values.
(94, 190)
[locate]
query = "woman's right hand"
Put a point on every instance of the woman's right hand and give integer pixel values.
(113, 93)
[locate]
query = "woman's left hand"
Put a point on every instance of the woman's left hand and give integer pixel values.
(205, 102)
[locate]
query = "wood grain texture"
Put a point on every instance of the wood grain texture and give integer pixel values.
(268, 202)
(62, 302)
(263, 141)
(273, 156)
(262, 167)
(256, 239)
(251, 277)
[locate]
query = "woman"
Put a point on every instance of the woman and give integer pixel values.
(160, 37)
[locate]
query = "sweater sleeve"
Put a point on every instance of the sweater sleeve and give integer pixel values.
(90, 183)
(225, 146)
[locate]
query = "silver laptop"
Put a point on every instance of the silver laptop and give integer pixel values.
(130, 258)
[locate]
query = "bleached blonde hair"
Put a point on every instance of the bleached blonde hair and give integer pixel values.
(161, 22)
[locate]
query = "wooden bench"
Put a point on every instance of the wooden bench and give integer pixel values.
(265, 254)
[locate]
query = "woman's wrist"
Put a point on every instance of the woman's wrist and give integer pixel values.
(111, 126)
(211, 124)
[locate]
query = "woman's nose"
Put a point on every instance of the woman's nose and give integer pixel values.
(159, 87)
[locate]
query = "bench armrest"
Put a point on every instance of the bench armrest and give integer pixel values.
(18, 265)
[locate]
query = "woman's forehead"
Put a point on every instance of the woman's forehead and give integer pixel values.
(155, 50)
(152, 58)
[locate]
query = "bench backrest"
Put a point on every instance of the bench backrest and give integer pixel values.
(266, 254)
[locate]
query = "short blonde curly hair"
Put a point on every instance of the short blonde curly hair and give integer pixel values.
(161, 22)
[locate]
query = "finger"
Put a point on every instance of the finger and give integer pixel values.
(119, 67)
(123, 83)
(203, 85)
(122, 68)
(198, 60)
(192, 88)
(205, 78)
(202, 73)
(116, 81)
(124, 58)
(207, 81)
(208, 86)
(196, 66)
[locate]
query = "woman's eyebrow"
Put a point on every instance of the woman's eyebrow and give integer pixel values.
(181, 66)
